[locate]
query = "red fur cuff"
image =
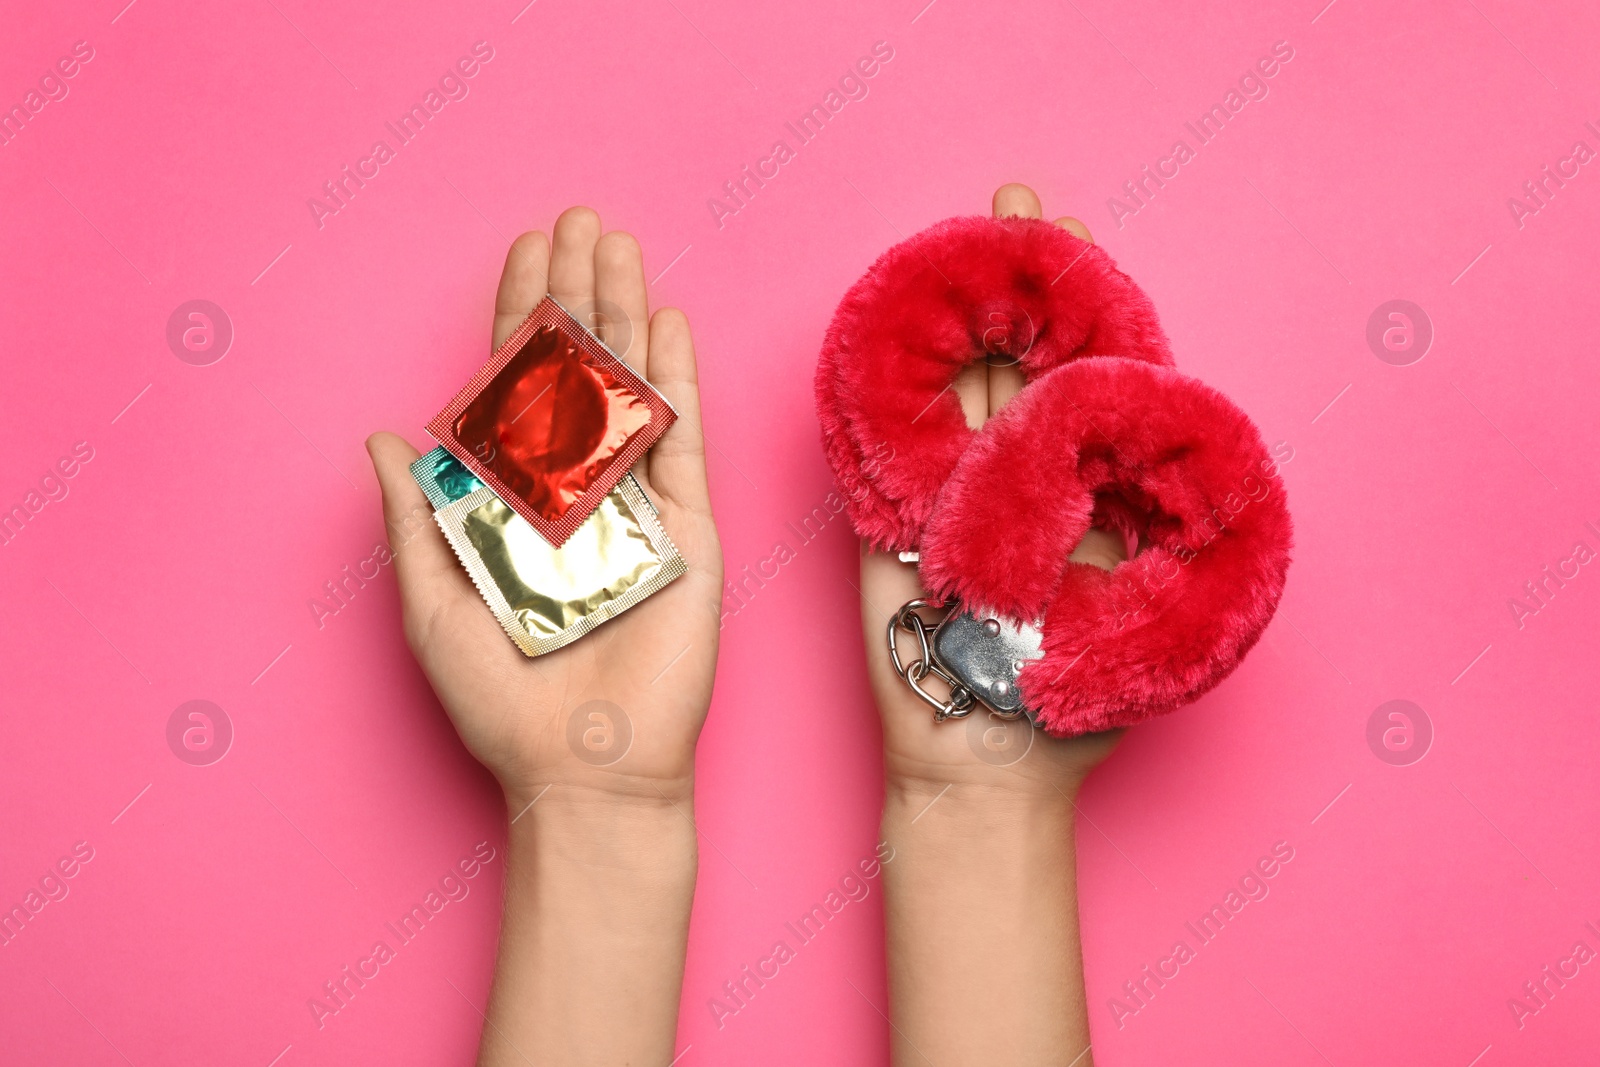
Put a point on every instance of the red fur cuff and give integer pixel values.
(1181, 473)
(966, 288)
(1106, 434)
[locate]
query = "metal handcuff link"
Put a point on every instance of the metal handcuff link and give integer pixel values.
(978, 658)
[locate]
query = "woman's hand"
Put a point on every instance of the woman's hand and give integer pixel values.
(980, 899)
(981, 753)
(653, 663)
(600, 874)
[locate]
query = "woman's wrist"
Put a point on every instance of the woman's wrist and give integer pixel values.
(583, 790)
(594, 929)
(1039, 789)
(977, 806)
(980, 897)
(922, 758)
(650, 835)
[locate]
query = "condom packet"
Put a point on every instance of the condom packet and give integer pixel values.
(553, 421)
(546, 597)
(443, 479)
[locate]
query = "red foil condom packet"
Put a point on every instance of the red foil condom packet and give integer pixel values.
(553, 421)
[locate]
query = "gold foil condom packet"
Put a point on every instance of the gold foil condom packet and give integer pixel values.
(547, 597)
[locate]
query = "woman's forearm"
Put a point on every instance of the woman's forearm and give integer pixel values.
(592, 941)
(981, 908)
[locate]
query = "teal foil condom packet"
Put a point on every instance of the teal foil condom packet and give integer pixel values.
(443, 478)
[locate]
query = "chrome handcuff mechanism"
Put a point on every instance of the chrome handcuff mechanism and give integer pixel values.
(978, 658)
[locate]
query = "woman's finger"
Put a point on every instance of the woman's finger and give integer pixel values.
(1075, 227)
(424, 562)
(1004, 376)
(677, 467)
(622, 307)
(523, 283)
(576, 233)
(447, 623)
(1017, 200)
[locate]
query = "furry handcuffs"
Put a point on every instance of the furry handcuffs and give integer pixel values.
(1105, 434)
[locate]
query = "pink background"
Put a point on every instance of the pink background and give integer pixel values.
(181, 563)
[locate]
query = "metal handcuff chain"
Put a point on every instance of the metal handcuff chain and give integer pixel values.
(980, 658)
(961, 700)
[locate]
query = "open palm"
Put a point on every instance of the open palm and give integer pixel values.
(640, 685)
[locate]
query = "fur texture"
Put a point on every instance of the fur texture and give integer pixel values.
(1173, 465)
(1021, 289)
(1118, 441)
